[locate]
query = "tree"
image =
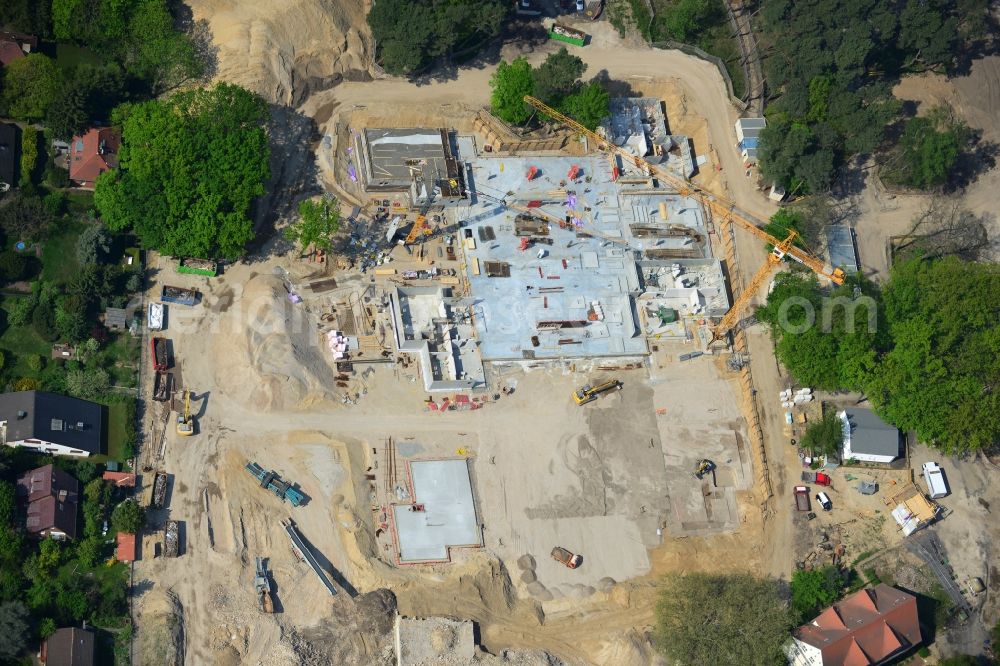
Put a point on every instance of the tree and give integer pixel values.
(13, 629)
(43, 320)
(960, 660)
(6, 503)
(684, 19)
(46, 627)
(928, 150)
(945, 227)
(29, 154)
(13, 266)
(589, 106)
(87, 384)
(558, 77)
(721, 619)
(128, 516)
(189, 168)
(814, 590)
(25, 218)
(940, 376)
(97, 491)
(156, 51)
(93, 245)
(89, 94)
(510, 83)
(825, 437)
(319, 221)
(30, 86)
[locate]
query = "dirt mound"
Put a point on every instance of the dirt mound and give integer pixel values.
(160, 630)
(271, 359)
(284, 49)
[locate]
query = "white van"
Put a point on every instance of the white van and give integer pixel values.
(937, 486)
(824, 501)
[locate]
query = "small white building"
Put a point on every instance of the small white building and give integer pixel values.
(868, 438)
(748, 136)
(51, 423)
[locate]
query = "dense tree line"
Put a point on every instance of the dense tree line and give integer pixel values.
(832, 65)
(556, 82)
(412, 34)
(140, 52)
(189, 168)
(928, 357)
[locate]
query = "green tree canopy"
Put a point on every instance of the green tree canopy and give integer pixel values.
(814, 590)
(684, 19)
(319, 221)
(726, 620)
(928, 150)
(588, 106)
(558, 77)
(189, 168)
(128, 516)
(412, 34)
(88, 96)
(13, 629)
(824, 437)
(30, 86)
(510, 83)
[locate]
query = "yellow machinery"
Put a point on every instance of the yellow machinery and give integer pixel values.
(589, 393)
(185, 422)
(419, 226)
(723, 208)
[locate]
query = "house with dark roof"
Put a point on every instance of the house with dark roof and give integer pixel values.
(10, 154)
(49, 497)
(51, 423)
(69, 646)
(91, 154)
(14, 46)
(869, 438)
(872, 626)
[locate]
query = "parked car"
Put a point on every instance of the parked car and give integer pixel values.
(824, 501)
(579, 5)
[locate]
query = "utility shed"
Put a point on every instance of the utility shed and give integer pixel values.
(841, 248)
(442, 515)
(869, 438)
(748, 137)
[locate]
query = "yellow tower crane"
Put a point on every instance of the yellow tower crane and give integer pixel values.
(719, 206)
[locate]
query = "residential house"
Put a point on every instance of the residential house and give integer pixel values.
(10, 151)
(50, 497)
(14, 46)
(872, 626)
(868, 438)
(125, 550)
(91, 154)
(69, 646)
(51, 423)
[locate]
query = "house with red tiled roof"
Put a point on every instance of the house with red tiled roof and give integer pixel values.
(14, 46)
(870, 627)
(125, 550)
(91, 154)
(50, 498)
(120, 479)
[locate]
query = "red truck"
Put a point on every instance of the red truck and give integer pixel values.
(819, 478)
(560, 554)
(802, 498)
(158, 350)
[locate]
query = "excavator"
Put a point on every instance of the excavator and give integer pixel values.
(723, 208)
(185, 421)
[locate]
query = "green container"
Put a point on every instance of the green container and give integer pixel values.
(198, 267)
(576, 41)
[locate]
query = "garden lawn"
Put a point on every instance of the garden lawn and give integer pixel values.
(117, 419)
(59, 264)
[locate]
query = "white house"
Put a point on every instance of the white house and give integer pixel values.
(51, 423)
(868, 438)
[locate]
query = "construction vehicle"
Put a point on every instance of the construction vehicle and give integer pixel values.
(704, 467)
(160, 353)
(178, 295)
(588, 393)
(185, 421)
(419, 227)
(262, 586)
(270, 480)
(802, 498)
(819, 478)
(723, 208)
(560, 554)
(306, 555)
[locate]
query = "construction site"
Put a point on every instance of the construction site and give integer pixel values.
(515, 393)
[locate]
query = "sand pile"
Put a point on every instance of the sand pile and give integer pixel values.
(160, 632)
(283, 49)
(270, 357)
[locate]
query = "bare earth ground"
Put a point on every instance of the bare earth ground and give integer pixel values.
(266, 392)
